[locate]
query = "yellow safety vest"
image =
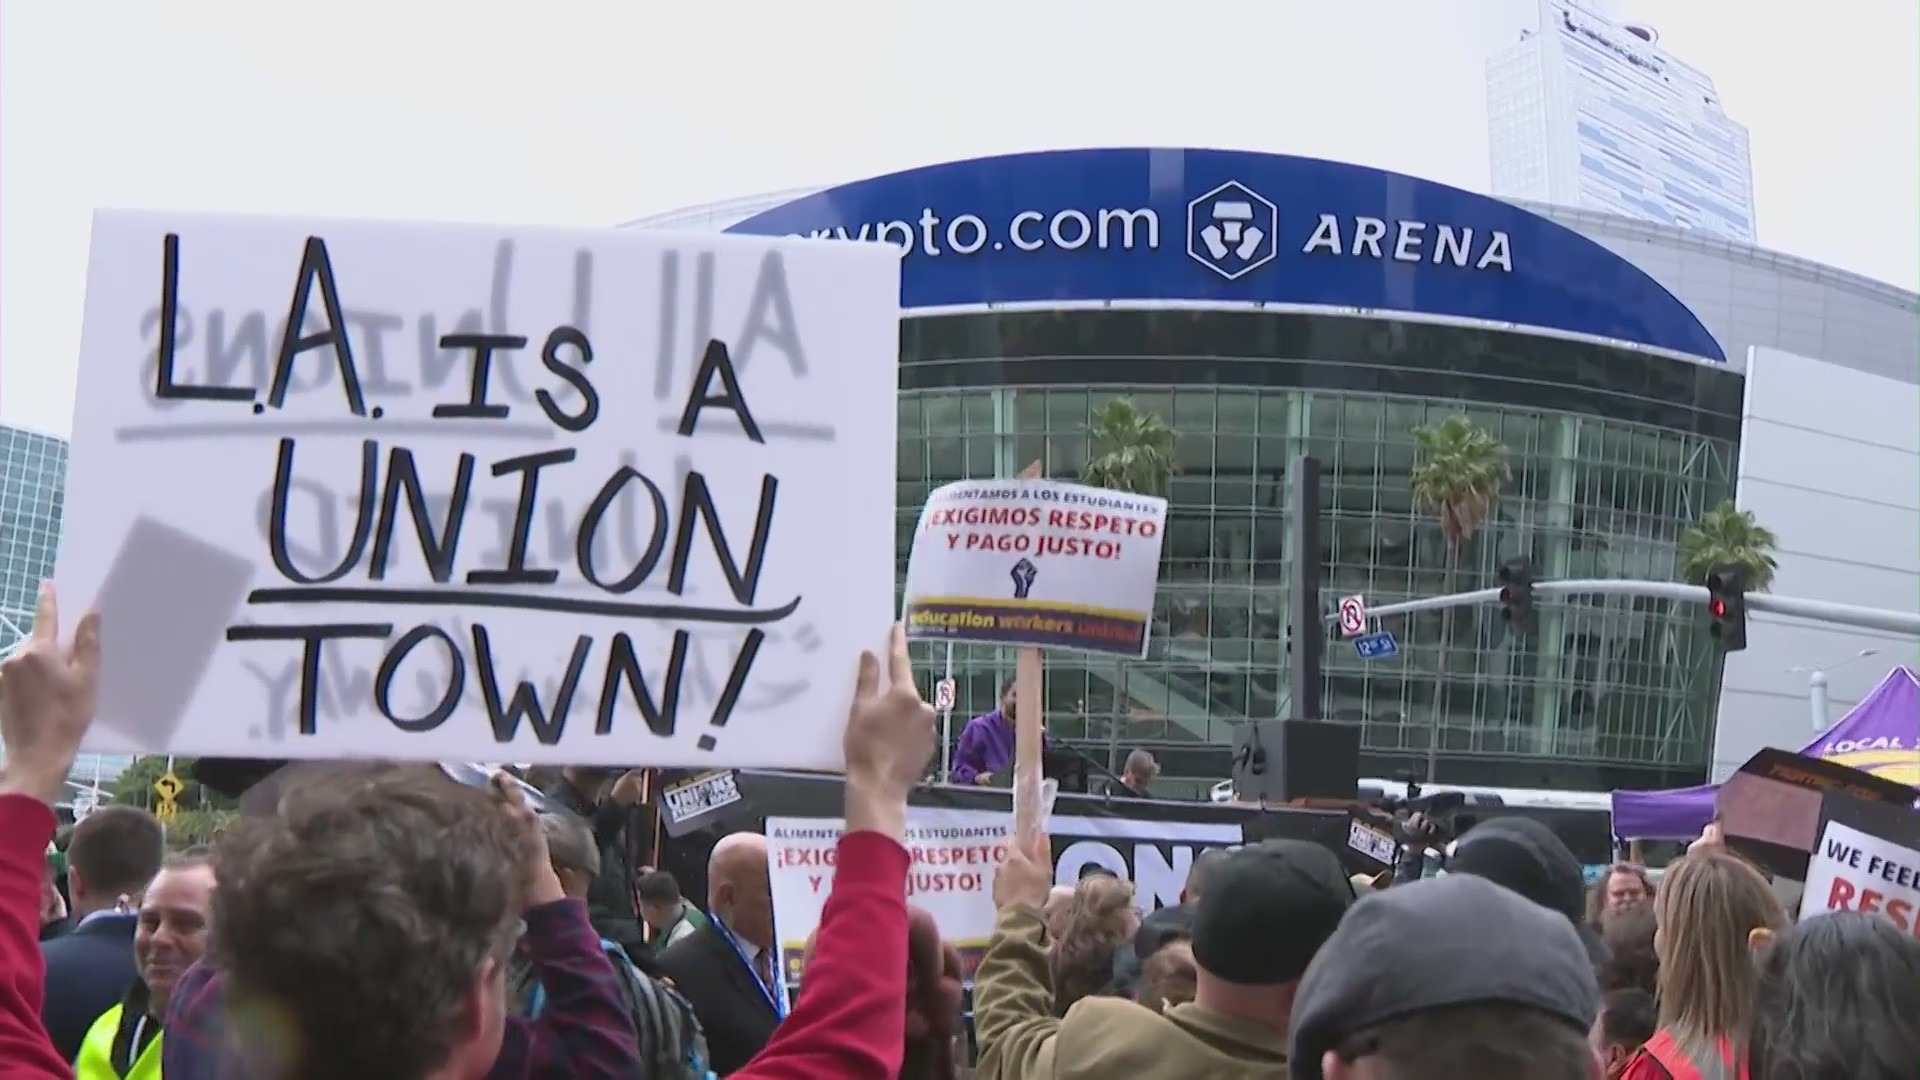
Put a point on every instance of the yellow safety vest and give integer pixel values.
(96, 1053)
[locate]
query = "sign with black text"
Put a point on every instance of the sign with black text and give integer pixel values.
(1866, 862)
(699, 801)
(529, 494)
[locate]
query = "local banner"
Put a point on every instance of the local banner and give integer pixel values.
(1036, 562)
(956, 854)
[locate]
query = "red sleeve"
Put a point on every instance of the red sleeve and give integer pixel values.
(850, 1023)
(26, 827)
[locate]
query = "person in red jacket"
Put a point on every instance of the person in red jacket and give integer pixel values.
(47, 696)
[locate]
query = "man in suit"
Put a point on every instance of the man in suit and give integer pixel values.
(115, 853)
(730, 970)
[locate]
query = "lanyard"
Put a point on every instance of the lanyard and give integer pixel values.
(775, 995)
(134, 1047)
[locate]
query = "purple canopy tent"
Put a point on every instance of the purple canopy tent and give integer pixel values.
(1881, 735)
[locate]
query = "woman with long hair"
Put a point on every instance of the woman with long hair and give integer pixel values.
(935, 1000)
(1839, 999)
(1712, 910)
(1101, 921)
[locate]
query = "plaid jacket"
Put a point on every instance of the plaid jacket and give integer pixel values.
(585, 1033)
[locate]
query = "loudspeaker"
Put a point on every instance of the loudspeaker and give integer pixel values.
(1278, 761)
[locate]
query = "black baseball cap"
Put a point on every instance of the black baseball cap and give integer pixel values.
(1437, 944)
(1267, 909)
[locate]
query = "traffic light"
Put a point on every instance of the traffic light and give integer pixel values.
(1727, 607)
(1516, 594)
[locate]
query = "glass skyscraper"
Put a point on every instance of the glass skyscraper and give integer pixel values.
(1592, 113)
(33, 479)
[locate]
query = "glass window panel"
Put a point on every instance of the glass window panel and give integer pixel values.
(910, 462)
(945, 415)
(912, 416)
(979, 410)
(1194, 452)
(1193, 410)
(946, 459)
(1238, 412)
(1273, 414)
(1066, 411)
(980, 455)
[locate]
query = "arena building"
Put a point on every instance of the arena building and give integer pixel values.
(1266, 306)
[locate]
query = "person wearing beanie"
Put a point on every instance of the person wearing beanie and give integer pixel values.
(1524, 856)
(1266, 911)
(1452, 976)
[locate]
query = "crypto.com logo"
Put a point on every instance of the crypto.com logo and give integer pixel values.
(1232, 230)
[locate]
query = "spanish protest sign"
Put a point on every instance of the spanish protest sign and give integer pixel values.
(956, 854)
(1038, 563)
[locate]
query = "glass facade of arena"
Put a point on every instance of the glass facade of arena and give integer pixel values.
(1613, 453)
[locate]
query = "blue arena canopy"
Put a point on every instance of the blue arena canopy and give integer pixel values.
(1231, 228)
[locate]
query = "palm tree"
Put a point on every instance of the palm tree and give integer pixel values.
(1728, 536)
(1458, 473)
(1131, 450)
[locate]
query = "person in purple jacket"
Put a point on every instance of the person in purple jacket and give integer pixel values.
(985, 754)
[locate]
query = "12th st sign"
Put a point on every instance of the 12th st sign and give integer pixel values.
(1378, 646)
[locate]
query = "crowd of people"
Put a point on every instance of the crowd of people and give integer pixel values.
(381, 920)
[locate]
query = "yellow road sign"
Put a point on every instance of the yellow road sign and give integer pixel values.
(165, 809)
(168, 787)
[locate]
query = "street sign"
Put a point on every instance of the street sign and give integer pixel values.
(1378, 646)
(168, 787)
(1353, 616)
(943, 695)
(165, 809)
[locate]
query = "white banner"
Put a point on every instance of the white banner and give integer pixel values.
(1856, 871)
(541, 495)
(1036, 562)
(957, 853)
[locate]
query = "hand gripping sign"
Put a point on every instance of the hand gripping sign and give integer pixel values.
(1039, 564)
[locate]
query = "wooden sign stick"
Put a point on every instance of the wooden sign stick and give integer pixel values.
(1029, 709)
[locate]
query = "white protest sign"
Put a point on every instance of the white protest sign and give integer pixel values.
(1857, 871)
(454, 492)
(955, 854)
(1036, 562)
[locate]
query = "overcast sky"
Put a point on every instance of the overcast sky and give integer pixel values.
(600, 111)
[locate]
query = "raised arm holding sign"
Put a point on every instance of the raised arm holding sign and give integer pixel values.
(1036, 564)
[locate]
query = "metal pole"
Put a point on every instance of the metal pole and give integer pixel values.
(1306, 610)
(1896, 622)
(1817, 697)
(946, 726)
